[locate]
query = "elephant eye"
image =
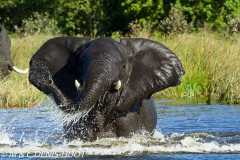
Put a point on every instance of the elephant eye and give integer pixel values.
(122, 71)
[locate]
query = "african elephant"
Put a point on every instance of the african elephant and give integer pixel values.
(109, 82)
(6, 63)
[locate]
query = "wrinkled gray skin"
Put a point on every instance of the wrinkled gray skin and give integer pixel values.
(6, 63)
(143, 67)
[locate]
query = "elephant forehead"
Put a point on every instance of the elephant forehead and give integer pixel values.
(104, 51)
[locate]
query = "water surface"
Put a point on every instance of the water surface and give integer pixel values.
(183, 131)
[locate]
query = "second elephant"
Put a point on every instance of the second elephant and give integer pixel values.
(6, 63)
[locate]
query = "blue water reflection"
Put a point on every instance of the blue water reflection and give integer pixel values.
(182, 131)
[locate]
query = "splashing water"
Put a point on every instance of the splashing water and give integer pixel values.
(183, 130)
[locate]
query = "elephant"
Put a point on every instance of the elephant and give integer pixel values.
(108, 83)
(6, 63)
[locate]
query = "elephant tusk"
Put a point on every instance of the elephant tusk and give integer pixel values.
(78, 85)
(19, 70)
(118, 85)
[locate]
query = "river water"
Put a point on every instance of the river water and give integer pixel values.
(184, 131)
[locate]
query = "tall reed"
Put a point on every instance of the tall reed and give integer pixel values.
(212, 67)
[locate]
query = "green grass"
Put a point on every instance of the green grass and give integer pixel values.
(212, 68)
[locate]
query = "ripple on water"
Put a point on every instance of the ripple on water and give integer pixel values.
(36, 131)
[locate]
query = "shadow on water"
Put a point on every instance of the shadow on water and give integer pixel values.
(184, 131)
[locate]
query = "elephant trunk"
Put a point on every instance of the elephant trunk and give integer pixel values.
(93, 89)
(6, 65)
(87, 100)
(96, 82)
(88, 97)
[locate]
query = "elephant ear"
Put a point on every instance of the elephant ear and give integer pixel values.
(154, 68)
(55, 60)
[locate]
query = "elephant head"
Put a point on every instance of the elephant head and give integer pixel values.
(6, 63)
(103, 76)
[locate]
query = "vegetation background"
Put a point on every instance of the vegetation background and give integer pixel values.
(106, 17)
(204, 34)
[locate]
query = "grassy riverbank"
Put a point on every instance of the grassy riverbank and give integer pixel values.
(212, 68)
